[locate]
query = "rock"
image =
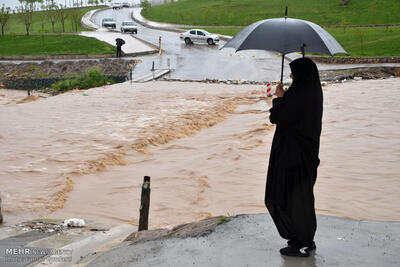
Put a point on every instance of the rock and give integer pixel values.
(194, 229)
(74, 222)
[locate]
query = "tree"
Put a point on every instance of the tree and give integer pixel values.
(145, 4)
(42, 16)
(30, 3)
(4, 17)
(75, 18)
(52, 15)
(62, 16)
(25, 14)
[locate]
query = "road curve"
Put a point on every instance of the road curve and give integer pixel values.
(200, 61)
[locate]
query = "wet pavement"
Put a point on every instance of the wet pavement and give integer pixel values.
(200, 61)
(243, 240)
(252, 240)
(21, 245)
(132, 45)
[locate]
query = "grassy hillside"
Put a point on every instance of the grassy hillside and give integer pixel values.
(15, 26)
(244, 12)
(20, 45)
(358, 42)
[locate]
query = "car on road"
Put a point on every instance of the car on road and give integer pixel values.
(125, 4)
(116, 5)
(199, 36)
(109, 22)
(129, 26)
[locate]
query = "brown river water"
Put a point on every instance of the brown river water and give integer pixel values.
(205, 146)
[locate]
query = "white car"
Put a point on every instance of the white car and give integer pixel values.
(116, 5)
(199, 36)
(108, 22)
(129, 26)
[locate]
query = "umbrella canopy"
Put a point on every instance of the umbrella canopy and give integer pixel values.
(285, 35)
(120, 41)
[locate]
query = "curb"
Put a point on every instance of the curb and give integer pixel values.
(174, 27)
(151, 76)
(47, 57)
(85, 249)
(155, 47)
(87, 22)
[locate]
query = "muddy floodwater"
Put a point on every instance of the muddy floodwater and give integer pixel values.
(206, 146)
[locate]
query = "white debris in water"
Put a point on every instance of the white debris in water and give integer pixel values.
(358, 78)
(324, 83)
(74, 222)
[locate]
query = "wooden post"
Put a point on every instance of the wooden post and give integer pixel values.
(1, 215)
(144, 204)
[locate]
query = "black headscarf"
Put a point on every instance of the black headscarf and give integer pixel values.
(305, 74)
(298, 114)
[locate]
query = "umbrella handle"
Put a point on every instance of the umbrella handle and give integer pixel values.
(283, 57)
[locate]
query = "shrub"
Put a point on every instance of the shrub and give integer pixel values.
(94, 77)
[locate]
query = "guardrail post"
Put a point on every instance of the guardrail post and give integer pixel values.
(1, 214)
(144, 204)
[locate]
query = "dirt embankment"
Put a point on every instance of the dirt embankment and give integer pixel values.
(359, 73)
(28, 75)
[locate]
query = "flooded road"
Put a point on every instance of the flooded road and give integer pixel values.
(205, 146)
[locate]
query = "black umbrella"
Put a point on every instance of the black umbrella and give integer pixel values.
(285, 35)
(120, 41)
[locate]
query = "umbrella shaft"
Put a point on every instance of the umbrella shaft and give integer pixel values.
(283, 57)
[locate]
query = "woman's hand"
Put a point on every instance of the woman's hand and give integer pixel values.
(279, 92)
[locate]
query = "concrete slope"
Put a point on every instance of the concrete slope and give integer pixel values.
(252, 240)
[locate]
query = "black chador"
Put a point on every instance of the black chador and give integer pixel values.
(120, 42)
(293, 163)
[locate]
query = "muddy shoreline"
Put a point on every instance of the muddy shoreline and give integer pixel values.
(30, 76)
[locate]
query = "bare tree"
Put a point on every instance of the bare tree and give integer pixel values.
(25, 14)
(75, 18)
(62, 16)
(4, 17)
(52, 15)
(42, 16)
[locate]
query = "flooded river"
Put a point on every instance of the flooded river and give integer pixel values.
(84, 153)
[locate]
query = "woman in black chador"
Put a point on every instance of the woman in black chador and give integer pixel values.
(293, 162)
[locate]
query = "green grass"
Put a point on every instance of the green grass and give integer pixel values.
(94, 77)
(243, 13)
(16, 26)
(21, 45)
(369, 42)
(224, 220)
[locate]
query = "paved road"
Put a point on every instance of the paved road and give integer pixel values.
(200, 61)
